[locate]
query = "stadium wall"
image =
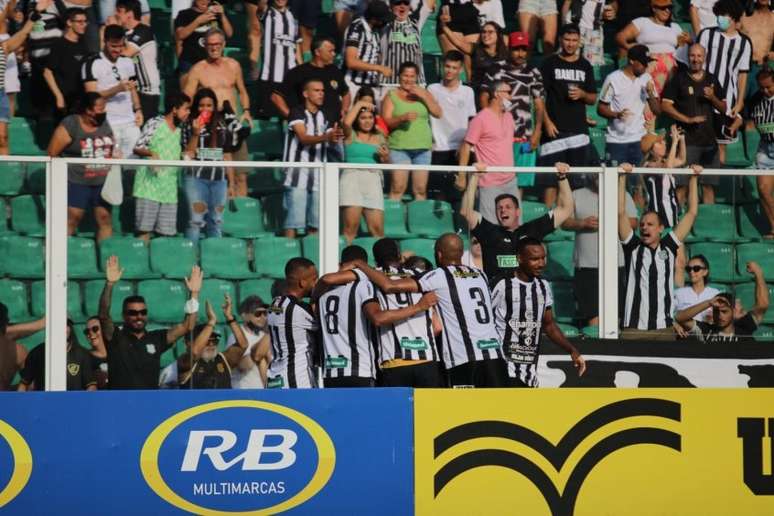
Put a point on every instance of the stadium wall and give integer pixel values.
(389, 451)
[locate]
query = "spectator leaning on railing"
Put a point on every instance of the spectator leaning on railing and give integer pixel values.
(724, 327)
(133, 352)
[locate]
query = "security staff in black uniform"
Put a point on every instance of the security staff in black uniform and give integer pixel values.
(211, 369)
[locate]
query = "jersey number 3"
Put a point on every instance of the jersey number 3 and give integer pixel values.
(482, 313)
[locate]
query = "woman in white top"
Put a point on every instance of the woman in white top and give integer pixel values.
(698, 291)
(662, 37)
(474, 257)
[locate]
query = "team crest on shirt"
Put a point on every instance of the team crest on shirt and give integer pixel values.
(151, 349)
(73, 369)
(334, 84)
(662, 255)
(466, 274)
(220, 368)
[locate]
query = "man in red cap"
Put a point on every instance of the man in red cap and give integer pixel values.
(526, 98)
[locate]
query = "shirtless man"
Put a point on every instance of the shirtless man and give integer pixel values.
(219, 73)
(757, 27)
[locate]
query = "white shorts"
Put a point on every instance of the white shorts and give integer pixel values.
(12, 84)
(361, 188)
(126, 137)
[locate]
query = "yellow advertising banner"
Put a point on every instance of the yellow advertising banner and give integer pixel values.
(592, 452)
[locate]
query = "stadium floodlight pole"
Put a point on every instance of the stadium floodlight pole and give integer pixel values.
(329, 218)
(56, 274)
(608, 253)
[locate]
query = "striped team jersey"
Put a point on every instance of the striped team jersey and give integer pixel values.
(346, 332)
(662, 197)
(649, 282)
(292, 329)
(315, 124)
(465, 307)
(519, 307)
(280, 37)
(726, 58)
(409, 339)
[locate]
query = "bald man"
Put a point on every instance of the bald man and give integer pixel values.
(472, 352)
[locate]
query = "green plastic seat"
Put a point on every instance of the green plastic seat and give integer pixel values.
(430, 219)
(74, 301)
(716, 222)
(3, 218)
(82, 258)
(764, 333)
(13, 294)
(569, 330)
(367, 243)
(424, 247)
(11, 178)
(560, 264)
(172, 257)
(30, 342)
(760, 252)
(746, 294)
(735, 157)
(720, 257)
(395, 219)
(35, 178)
(165, 299)
(21, 136)
(752, 223)
(564, 301)
(92, 290)
(260, 287)
(310, 247)
(243, 218)
(132, 254)
(28, 215)
(591, 332)
(22, 256)
(531, 210)
(225, 258)
(272, 253)
(213, 290)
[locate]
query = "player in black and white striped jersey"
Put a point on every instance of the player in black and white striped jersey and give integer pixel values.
(471, 352)
(347, 335)
(293, 331)
(523, 311)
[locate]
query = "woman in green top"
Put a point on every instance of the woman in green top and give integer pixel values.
(407, 111)
(360, 191)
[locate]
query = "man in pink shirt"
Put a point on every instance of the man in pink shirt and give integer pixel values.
(490, 135)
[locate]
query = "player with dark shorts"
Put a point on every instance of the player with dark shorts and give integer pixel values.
(523, 311)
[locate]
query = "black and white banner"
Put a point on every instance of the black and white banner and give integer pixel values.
(626, 363)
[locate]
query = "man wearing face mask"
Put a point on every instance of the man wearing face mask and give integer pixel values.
(527, 94)
(155, 188)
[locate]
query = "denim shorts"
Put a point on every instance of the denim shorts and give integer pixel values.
(764, 158)
(301, 208)
(538, 7)
(411, 156)
(5, 107)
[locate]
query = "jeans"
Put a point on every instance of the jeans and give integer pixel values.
(302, 208)
(764, 158)
(410, 156)
(618, 153)
(213, 194)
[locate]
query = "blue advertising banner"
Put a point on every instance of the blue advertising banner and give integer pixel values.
(207, 452)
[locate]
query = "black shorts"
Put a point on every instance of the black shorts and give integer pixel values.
(464, 19)
(347, 382)
(427, 374)
(481, 373)
(149, 105)
(586, 285)
(307, 12)
(443, 182)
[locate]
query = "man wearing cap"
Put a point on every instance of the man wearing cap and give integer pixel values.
(690, 98)
(568, 79)
(622, 101)
(526, 95)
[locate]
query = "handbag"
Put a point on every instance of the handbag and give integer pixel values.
(113, 189)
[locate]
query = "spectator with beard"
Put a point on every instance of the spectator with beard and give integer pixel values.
(134, 353)
(155, 188)
(250, 373)
(204, 367)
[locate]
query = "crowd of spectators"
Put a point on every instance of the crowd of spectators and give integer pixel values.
(362, 95)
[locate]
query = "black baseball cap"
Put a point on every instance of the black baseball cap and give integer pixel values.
(639, 53)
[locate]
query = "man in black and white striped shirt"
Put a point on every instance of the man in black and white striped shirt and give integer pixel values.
(363, 49)
(728, 58)
(523, 310)
(281, 51)
(347, 334)
(650, 264)
(307, 139)
(293, 331)
(472, 352)
(402, 40)
(762, 114)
